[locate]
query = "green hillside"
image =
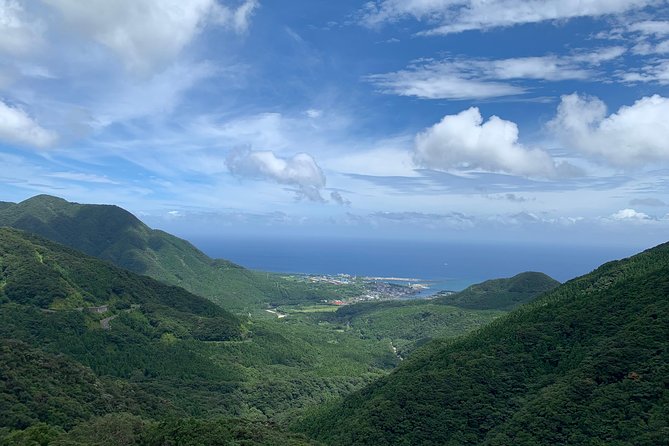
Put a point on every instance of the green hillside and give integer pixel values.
(111, 233)
(585, 364)
(408, 324)
(85, 339)
(501, 294)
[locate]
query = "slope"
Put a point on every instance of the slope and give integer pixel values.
(408, 324)
(112, 233)
(501, 294)
(163, 349)
(587, 363)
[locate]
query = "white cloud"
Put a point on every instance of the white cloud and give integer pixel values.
(440, 82)
(656, 71)
(633, 136)
(480, 78)
(242, 15)
(650, 27)
(18, 33)
(645, 48)
(629, 214)
(155, 96)
(300, 170)
(149, 34)
(454, 16)
(648, 36)
(16, 126)
(465, 141)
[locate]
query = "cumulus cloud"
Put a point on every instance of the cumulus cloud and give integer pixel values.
(633, 136)
(16, 126)
(300, 170)
(148, 34)
(453, 16)
(630, 214)
(459, 78)
(466, 141)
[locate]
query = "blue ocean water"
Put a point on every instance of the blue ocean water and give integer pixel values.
(448, 265)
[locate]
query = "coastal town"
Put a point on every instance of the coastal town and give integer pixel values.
(371, 288)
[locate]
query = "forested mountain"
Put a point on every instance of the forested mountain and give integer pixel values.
(82, 339)
(586, 364)
(114, 234)
(501, 294)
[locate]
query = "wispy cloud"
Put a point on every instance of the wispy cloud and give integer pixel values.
(147, 34)
(454, 16)
(460, 78)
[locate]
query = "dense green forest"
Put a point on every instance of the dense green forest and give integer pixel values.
(163, 341)
(95, 354)
(409, 324)
(500, 294)
(587, 363)
(114, 234)
(82, 339)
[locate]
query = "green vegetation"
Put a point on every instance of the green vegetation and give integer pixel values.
(408, 324)
(113, 234)
(163, 351)
(584, 364)
(501, 294)
(95, 354)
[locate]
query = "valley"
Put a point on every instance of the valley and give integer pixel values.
(334, 223)
(277, 361)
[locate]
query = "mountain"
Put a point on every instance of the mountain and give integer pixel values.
(411, 323)
(587, 363)
(82, 341)
(408, 324)
(69, 322)
(501, 294)
(114, 234)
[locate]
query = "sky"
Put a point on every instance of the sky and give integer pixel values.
(535, 120)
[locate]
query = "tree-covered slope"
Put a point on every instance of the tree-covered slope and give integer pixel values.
(410, 323)
(39, 273)
(113, 234)
(586, 364)
(501, 294)
(82, 338)
(36, 386)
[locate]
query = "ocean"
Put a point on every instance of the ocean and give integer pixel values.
(446, 265)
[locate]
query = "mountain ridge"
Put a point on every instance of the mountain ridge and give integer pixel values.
(586, 363)
(501, 294)
(111, 233)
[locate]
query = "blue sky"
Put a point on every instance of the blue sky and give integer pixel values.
(538, 121)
